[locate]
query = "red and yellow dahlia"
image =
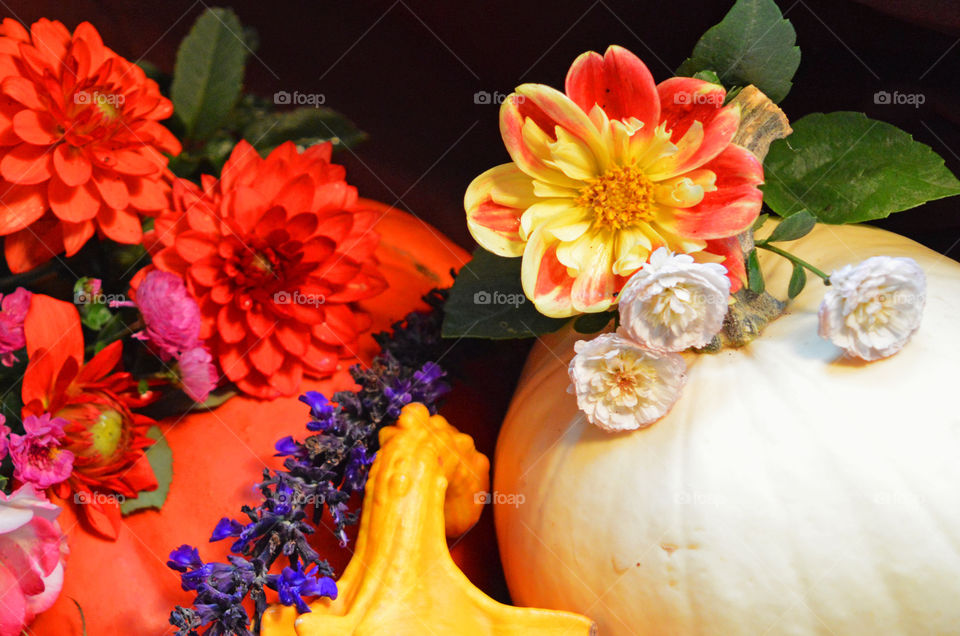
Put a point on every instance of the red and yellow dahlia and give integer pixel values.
(276, 252)
(105, 437)
(608, 172)
(80, 146)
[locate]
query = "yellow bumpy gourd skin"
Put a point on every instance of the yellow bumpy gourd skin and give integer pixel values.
(401, 580)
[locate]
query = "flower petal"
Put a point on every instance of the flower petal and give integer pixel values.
(35, 127)
(618, 82)
(545, 280)
(26, 164)
(685, 100)
(731, 252)
(494, 202)
(71, 164)
(74, 204)
(20, 206)
(122, 226)
(733, 206)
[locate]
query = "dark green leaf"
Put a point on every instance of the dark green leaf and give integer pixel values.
(303, 126)
(754, 274)
(753, 44)
(208, 74)
(161, 461)
(760, 221)
(798, 280)
(793, 227)
(487, 301)
(846, 168)
(593, 323)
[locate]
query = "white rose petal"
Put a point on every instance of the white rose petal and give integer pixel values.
(871, 309)
(674, 303)
(621, 386)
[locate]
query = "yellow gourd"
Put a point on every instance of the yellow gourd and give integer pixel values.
(401, 580)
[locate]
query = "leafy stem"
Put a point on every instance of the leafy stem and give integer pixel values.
(795, 259)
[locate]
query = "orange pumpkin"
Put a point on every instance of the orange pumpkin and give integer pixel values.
(125, 586)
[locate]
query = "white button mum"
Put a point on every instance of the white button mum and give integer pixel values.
(674, 303)
(873, 308)
(621, 386)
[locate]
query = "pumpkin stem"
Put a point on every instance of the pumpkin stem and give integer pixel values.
(761, 123)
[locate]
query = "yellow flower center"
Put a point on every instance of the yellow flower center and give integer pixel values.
(620, 197)
(106, 432)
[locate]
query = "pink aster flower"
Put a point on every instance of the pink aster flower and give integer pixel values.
(198, 376)
(32, 550)
(170, 313)
(4, 437)
(38, 457)
(13, 311)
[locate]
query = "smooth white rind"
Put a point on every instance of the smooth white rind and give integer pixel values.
(789, 490)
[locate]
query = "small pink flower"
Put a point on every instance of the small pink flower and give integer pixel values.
(171, 314)
(38, 457)
(32, 551)
(14, 311)
(198, 376)
(4, 437)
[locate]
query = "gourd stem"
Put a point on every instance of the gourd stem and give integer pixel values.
(796, 259)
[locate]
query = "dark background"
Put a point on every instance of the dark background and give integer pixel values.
(406, 71)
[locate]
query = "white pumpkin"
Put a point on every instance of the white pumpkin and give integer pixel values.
(789, 491)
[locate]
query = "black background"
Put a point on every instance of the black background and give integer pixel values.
(406, 71)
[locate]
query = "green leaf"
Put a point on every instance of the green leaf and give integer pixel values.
(792, 228)
(798, 280)
(208, 74)
(707, 76)
(594, 323)
(754, 274)
(487, 301)
(161, 461)
(753, 44)
(303, 126)
(760, 221)
(846, 168)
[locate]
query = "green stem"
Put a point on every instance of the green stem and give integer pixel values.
(796, 259)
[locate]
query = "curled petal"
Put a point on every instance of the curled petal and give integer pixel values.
(685, 101)
(545, 280)
(494, 203)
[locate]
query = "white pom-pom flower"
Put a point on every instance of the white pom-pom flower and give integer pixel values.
(621, 386)
(871, 309)
(674, 303)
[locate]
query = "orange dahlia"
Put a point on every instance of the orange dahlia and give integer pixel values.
(80, 146)
(106, 438)
(277, 252)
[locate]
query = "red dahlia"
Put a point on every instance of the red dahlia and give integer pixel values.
(106, 438)
(80, 146)
(277, 252)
